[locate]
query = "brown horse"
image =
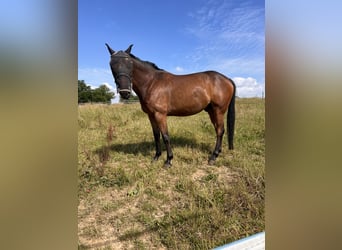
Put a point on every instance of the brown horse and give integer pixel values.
(163, 94)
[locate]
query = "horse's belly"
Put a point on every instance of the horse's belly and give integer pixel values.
(187, 107)
(183, 113)
(188, 101)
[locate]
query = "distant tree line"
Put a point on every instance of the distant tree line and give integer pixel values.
(101, 94)
(132, 99)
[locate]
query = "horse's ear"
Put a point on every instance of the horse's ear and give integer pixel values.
(111, 51)
(128, 51)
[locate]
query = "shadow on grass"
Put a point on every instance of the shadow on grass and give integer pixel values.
(147, 148)
(162, 228)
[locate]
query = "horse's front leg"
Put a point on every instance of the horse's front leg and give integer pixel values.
(166, 140)
(162, 124)
(156, 135)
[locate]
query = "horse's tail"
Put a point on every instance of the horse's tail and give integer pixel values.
(231, 118)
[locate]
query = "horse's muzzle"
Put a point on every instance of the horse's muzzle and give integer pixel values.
(125, 94)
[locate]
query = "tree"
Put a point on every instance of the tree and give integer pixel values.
(102, 94)
(133, 98)
(86, 94)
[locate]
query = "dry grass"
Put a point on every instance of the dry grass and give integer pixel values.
(128, 202)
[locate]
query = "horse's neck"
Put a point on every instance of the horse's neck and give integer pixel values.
(142, 78)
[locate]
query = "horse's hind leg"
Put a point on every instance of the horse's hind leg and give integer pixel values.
(217, 118)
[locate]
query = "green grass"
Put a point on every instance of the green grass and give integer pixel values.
(128, 202)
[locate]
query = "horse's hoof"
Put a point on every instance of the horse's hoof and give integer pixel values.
(211, 162)
(167, 165)
(156, 157)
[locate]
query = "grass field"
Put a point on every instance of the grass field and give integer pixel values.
(128, 202)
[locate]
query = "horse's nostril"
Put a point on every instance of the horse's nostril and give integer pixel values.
(125, 94)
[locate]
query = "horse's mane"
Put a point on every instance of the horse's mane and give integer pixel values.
(146, 62)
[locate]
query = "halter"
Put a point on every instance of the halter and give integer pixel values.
(125, 75)
(130, 82)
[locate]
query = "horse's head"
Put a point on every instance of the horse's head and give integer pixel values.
(121, 65)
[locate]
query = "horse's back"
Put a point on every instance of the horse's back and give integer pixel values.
(190, 94)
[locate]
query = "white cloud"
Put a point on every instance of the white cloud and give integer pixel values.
(179, 69)
(249, 87)
(109, 86)
(92, 86)
(239, 66)
(241, 27)
(96, 77)
(232, 43)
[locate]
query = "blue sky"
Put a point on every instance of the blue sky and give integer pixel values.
(179, 36)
